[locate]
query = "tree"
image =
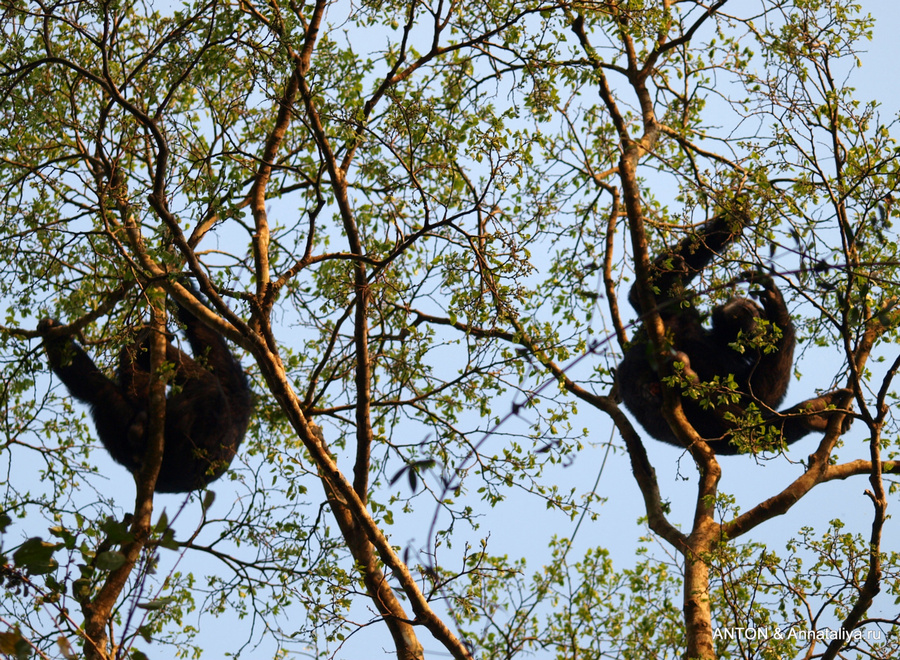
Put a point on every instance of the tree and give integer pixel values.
(401, 213)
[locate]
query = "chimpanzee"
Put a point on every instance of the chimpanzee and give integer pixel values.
(207, 411)
(752, 360)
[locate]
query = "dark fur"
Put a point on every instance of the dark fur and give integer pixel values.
(207, 412)
(761, 377)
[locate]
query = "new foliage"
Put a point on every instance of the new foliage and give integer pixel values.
(207, 411)
(736, 360)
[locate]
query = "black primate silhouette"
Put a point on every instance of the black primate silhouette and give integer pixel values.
(207, 411)
(736, 346)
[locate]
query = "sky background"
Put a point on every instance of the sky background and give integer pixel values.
(522, 525)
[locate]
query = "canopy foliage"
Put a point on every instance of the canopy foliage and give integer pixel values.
(417, 223)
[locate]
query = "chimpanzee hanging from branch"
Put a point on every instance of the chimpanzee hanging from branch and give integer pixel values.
(745, 359)
(207, 411)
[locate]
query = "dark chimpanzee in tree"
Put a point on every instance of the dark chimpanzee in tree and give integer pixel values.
(207, 412)
(737, 346)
